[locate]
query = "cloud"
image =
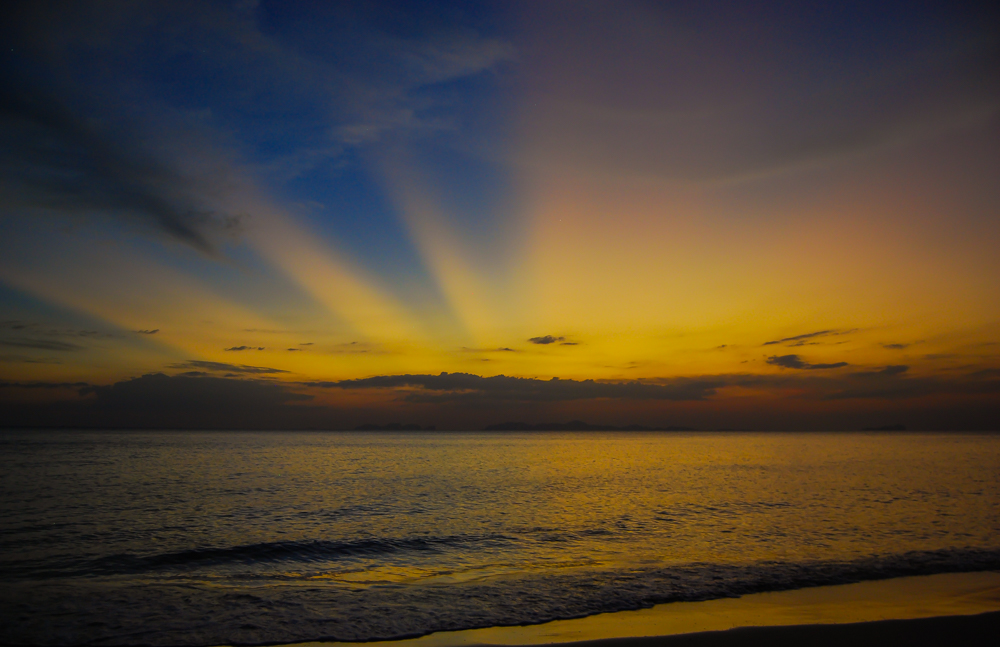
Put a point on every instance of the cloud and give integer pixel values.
(457, 56)
(888, 383)
(895, 346)
(159, 401)
(26, 359)
(41, 344)
(199, 400)
(547, 339)
(794, 361)
(446, 387)
(43, 385)
(222, 367)
(306, 343)
(891, 383)
(894, 369)
(397, 97)
(57, 160)
(239, 348)
(157, 391)
(39, 336)
(147, 332)
(35, 328)
(293, 349)
(503, 349)
(800, 340)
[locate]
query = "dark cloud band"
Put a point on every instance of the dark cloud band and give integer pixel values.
(794, 361)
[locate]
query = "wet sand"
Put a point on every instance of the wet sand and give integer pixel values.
(947, 609)
(948, 630)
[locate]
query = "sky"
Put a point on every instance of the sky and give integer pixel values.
(749, 215)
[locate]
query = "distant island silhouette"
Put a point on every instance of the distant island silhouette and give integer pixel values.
(395, 426)
(573, 425)
(886, 428)
(576, 425)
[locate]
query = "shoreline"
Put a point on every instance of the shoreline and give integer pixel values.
(975, 630)
(892, 611)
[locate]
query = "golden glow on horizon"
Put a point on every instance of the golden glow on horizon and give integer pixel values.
(640, 280)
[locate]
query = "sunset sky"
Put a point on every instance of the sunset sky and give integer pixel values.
(287, 214)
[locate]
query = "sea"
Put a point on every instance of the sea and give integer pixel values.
(183, 538)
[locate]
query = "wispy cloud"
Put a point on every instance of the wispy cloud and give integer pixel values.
(13, 358)
(225, 368)
(41, 344)
(895, 369)
(794, 361)
(35, 328)
(396, 100)
(503, 349)
(57, 160)
(801, 340)
(42, 385)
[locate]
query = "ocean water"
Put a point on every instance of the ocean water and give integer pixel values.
(206, 538)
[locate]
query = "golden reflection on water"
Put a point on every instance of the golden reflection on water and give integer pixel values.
(365, 535)
(489, 504)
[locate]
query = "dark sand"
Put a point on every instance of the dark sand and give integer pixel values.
(940, 610)
(982, 629)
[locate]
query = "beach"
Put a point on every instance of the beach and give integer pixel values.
(962, 630)
(950, 608)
